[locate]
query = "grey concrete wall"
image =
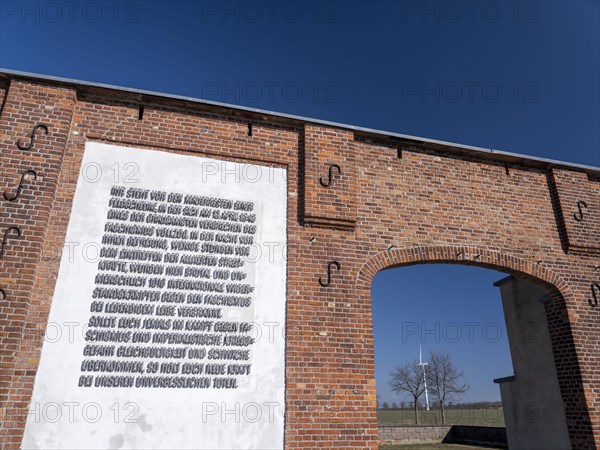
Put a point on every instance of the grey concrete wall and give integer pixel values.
(413, 434)
(533, 408)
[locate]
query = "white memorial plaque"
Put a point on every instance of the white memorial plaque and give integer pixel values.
(166, 328)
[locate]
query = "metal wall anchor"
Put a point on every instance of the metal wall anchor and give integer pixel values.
(11, 198)
(579, 217)
(329, 265)
(330, 175)
(595, 295)
(5, 239)
(41, 126)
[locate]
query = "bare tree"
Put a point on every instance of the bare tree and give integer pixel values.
(447, 382)
(409, 378)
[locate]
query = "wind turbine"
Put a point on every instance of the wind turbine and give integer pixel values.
(422, 364)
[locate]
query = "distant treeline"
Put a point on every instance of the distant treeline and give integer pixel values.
(462, 405)
(475, 405)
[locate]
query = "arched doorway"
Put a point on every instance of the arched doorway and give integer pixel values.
(542, 280)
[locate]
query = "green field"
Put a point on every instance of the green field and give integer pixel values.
(490, 417)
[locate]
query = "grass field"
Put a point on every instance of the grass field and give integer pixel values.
(491, 417)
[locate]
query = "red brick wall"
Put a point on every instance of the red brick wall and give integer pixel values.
(396, 203)
(578, 205)
(25, 106)
(3, 91)
(329, 190)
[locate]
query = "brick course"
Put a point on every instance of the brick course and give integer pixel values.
(398, 202)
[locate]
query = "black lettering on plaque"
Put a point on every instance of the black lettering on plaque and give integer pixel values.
(171, 268)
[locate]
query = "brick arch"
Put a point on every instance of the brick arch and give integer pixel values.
(561, 334)
(491, 259)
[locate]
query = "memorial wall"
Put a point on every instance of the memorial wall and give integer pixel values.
(162, 323)
(180, 294)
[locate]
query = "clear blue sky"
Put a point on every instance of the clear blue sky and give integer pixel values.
(443, 308)
(516, 76)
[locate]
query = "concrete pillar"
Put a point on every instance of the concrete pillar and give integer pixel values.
(533, 408)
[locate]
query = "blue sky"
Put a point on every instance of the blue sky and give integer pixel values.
(516, 76)
(443, 308)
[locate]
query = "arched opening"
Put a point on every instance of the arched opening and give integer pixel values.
(445, 309)
(525, 392)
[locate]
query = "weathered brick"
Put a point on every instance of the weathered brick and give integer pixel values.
(398, 202)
